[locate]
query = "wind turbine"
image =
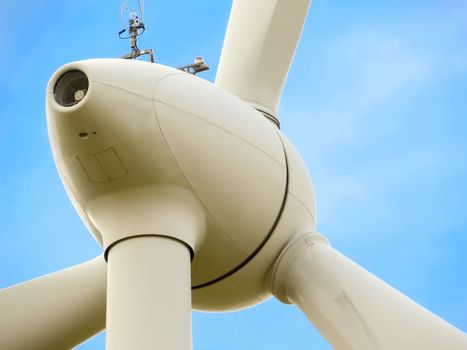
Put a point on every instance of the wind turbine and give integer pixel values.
(147, 151)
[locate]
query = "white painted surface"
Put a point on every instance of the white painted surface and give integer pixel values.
(352, 308)
(148, 295)
(258, 49)
(56, 311)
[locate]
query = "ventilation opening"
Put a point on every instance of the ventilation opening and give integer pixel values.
(71, 88)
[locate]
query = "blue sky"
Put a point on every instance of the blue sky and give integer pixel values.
(376, 102)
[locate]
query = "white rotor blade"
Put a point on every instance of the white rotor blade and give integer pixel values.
(352, 308)
(258, 49)
(56, 311)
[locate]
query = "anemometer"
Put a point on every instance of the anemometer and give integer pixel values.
(135, 27)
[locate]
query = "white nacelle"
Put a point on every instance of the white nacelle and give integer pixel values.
(144, 149)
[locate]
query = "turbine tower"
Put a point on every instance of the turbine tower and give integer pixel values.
(199, 201)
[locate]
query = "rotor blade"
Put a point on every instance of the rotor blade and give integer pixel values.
(352, 308)
(258, 49)
(56, 311)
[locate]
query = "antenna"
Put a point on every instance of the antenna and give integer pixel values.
(134, 29)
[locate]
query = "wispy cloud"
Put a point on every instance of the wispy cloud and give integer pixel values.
(367, 125)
